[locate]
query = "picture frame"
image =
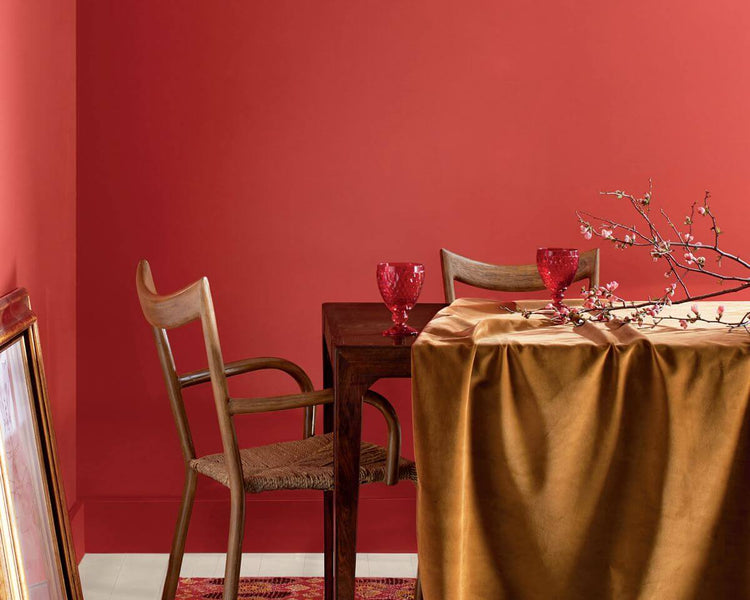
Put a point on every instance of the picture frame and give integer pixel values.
(37, 557)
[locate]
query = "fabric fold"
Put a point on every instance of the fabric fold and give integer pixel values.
(600, 461)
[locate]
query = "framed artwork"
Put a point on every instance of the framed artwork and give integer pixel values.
(37, 559)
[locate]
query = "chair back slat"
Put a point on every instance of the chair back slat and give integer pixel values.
(506, 278)
(174, 390)
(170, 311)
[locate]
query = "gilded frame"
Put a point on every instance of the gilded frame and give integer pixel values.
(37, 557)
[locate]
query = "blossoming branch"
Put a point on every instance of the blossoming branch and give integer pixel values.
(683, 256)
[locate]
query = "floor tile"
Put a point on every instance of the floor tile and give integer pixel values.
(362, 568)
(314, 565)
(98, 575)
(141, 577)
(202, 565)
(250, 566)
(273, 565)
(392, 565)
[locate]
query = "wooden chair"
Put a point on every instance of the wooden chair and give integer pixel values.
(299, 464)
(506, 278)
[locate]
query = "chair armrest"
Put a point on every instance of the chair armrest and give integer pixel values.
(245, 406)
(251, 364)
(255, 364)
(393, 451)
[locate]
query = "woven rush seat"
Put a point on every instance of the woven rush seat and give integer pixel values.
(299, 464)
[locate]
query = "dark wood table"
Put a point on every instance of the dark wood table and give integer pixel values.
(355, 355)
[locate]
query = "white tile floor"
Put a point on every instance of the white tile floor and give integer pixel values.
(140, 576)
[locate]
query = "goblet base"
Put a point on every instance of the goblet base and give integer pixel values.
(400, 330)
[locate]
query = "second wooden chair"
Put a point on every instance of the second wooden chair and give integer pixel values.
(506, 278)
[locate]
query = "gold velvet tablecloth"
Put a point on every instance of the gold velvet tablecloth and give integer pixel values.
(591, 462)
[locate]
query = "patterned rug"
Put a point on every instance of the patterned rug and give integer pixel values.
(293, 588)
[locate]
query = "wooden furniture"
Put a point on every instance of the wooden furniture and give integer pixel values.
(355, 355)
(302, 464)
(506, 278)
(37, 557)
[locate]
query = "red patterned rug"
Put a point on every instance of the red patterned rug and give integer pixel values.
(293, 588)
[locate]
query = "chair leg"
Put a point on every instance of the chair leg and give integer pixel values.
(180, 534)
(328, 544)
(234, 551)
(418, 587)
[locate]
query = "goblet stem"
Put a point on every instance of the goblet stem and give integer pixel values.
(557, 297)
(400, 328)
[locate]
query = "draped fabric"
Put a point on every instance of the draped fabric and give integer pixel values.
(592, 462)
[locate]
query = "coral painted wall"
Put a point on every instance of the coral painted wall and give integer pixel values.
(282, 148)
(38, 191)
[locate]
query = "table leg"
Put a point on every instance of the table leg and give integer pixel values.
(328, 556)
(348, 392)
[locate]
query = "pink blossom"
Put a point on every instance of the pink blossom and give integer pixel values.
(607, 233)
(628, 239)
(683, 323)
(701, 210)
(694, 308)
(587, 235)
(668, 274)
(689, 238)
(586, 231)
(720, 310)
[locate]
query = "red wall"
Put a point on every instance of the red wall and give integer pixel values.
(284, 147)
(38, 191)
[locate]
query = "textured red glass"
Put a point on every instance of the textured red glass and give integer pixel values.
(558, 267)
(400, 285)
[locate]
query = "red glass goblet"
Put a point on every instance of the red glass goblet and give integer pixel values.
(558, 267)
(400, 284)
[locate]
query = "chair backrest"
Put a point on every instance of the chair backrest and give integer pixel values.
(174, 310)
(506, 278)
